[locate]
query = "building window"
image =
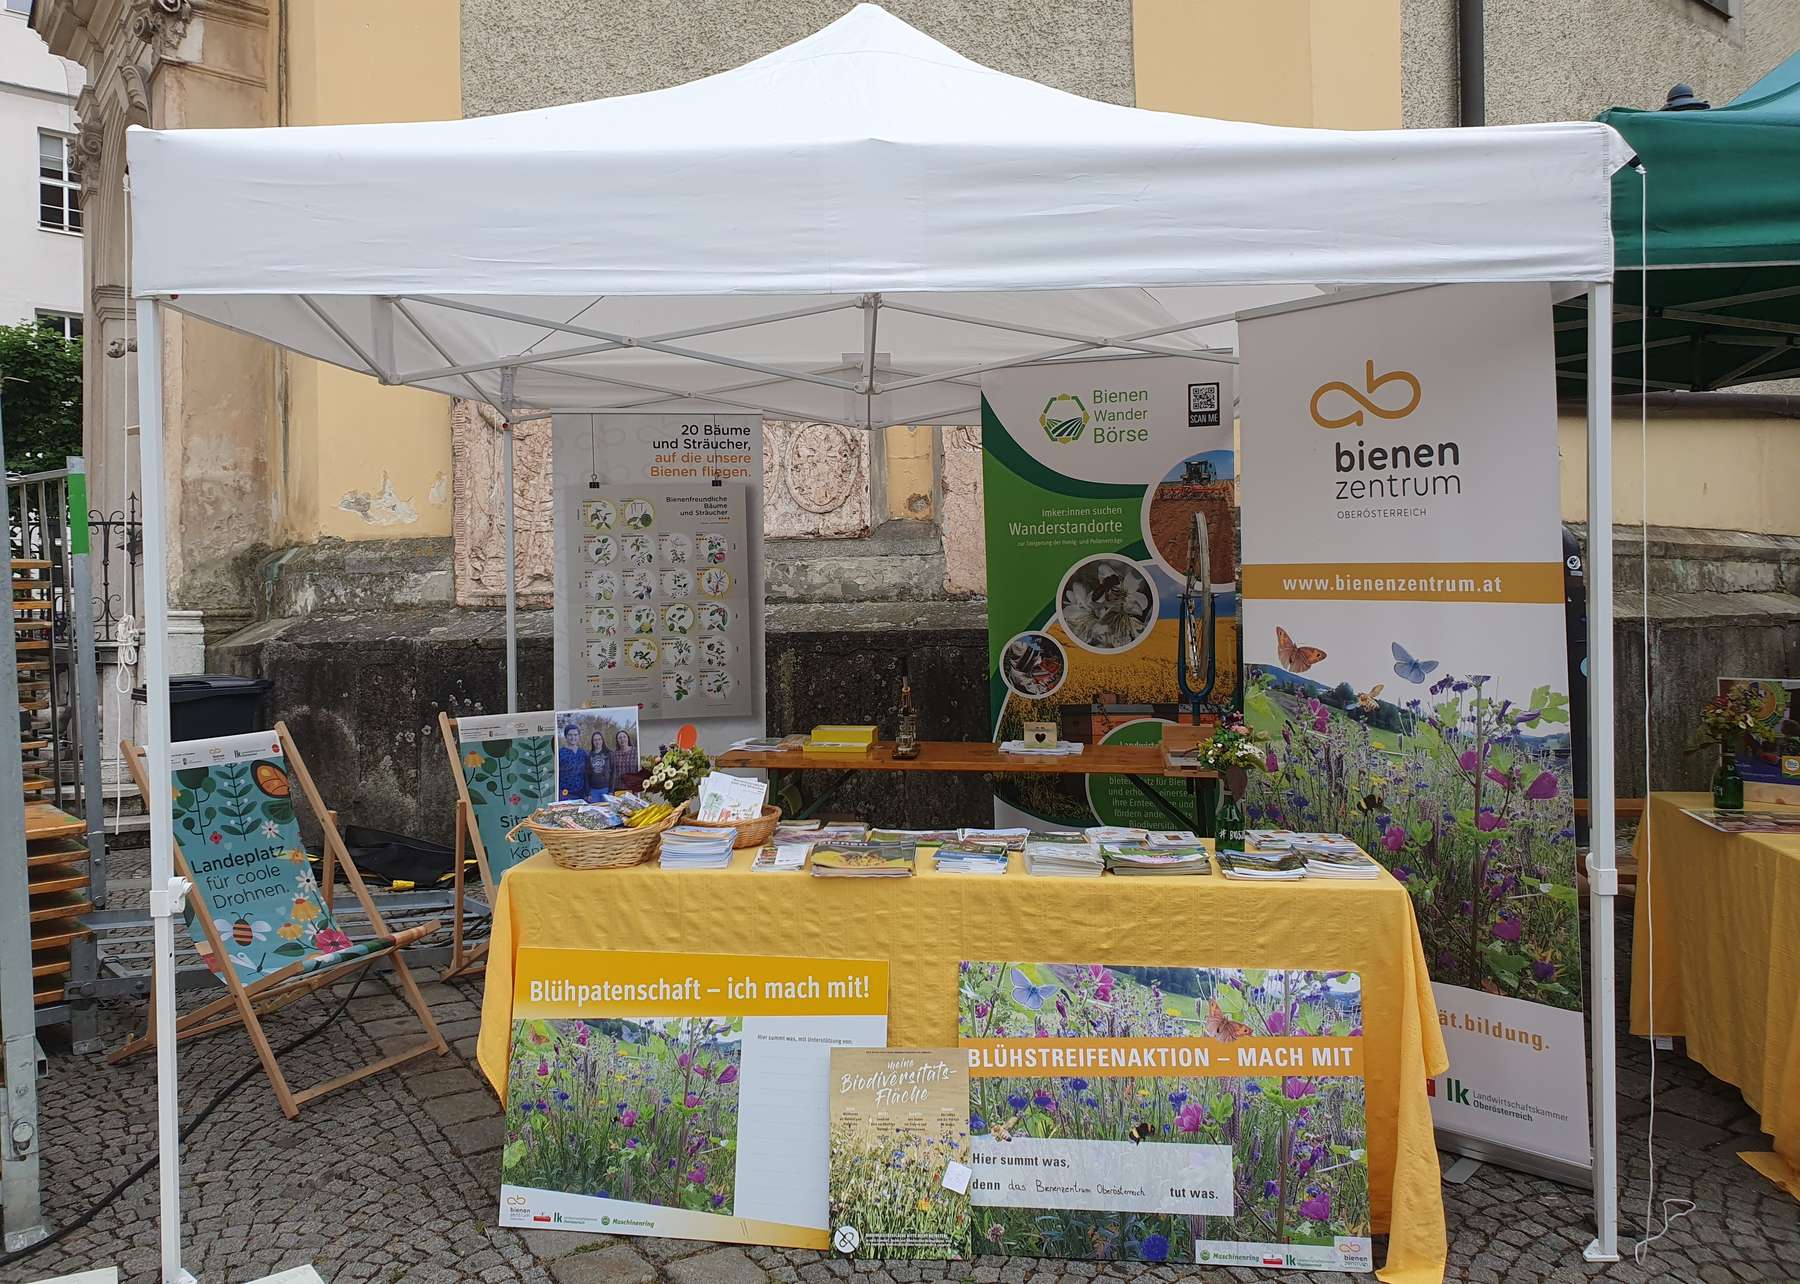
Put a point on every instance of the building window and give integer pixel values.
(67, 324)
(20, 7)
(59, 195)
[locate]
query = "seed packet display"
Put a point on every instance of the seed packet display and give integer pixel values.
(900, 1152)
(1175, 1115)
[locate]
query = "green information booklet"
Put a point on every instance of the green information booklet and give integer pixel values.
(900, 1152)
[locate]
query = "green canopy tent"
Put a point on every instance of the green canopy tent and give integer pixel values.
(1722, 245)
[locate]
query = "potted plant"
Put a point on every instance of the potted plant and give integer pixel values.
(1725, 721)
(676, 773)
(1234, 750)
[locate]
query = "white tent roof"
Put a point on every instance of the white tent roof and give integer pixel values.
(863, 206)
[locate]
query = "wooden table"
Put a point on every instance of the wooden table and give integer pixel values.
(980, 757)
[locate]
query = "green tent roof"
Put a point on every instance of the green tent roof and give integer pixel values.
(1723, 242)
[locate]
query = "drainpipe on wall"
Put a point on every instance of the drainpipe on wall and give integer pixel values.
(1471, 63)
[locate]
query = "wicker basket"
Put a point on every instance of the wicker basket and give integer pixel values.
(750, 833)
(600, 848)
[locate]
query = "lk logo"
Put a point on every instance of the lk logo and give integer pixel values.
(1456, 1092)
(1366, 398)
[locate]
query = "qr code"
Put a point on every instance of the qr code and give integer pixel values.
(1203, 405)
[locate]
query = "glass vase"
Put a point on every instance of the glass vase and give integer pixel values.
(1727, 785)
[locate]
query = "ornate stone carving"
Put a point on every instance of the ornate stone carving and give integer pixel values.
(161, 24)
(477, 522)
(84, 156)
(815, 481)
(137, 89)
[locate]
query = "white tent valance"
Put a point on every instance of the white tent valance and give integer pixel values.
(826, 232)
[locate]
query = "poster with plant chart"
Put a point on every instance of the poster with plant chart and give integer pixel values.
(1167, 1115)
(679, 1095)
(508, 763)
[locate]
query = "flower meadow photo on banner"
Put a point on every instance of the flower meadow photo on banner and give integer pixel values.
(640, 1111)
(1297, 1143)
(1444, 763)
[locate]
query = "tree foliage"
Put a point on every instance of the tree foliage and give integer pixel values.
(40, 396)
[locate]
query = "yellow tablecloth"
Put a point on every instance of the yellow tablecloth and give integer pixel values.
(1723, 911)
(925, 925)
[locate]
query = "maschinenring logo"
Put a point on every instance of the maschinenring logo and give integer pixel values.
(1064, 418)
(1203, 405)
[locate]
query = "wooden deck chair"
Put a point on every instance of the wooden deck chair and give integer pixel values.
(504, 766)
(256, 914)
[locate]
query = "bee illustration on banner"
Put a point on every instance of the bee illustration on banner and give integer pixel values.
(1003, 1131)
(1139, 1131)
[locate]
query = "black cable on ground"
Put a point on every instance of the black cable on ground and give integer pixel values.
(255, 1068)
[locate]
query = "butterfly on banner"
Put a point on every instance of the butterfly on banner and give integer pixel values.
(1221, 1027)
(1295, 659)
(1029, 995)
(1410, 669)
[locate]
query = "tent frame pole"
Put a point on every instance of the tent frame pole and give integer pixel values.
(512, 560)
(1602, 861)
(167, 892)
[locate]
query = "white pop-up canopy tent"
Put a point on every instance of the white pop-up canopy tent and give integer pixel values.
(853, 229)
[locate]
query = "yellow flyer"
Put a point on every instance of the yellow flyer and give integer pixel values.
(679, 1094)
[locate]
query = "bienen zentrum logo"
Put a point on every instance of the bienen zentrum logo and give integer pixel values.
(1330, 397)
(1064, 417)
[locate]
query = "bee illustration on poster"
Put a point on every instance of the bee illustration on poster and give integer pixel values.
(1112, 567)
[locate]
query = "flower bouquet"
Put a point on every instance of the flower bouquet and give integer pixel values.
(1727, 721)
(1234, 750)
(676, 773)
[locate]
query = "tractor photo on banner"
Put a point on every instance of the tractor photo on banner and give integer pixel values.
(1405, 654)
(1112, 567)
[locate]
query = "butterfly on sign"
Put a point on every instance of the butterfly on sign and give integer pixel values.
(1410, 669)
(1028, 994)
(1295, 659)
(1220, 1027)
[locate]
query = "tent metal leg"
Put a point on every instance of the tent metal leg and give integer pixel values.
(19, 1195)
(87, 680)
(512, 568)
(1603, 874)
(167, 893)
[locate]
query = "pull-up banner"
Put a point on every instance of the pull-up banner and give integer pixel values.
(1095, 473)
(1405, 646)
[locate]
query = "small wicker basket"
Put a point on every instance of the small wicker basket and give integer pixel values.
(750, 833)
(601, 848)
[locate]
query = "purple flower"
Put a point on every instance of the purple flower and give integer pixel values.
(1177, 1099)
(1500, 778)
(982, 1009)
(728, 1075)
(1270, 1189)
(1043, 1100)
(977, 1123)
(1078, 1085)
(1155, 1248)
(697, 1174)
(1317, 1206)
(543, 1069)
(1403, 873)
(692, 1101)
(1465, 908)
(1394, 838)
(1543, 970)
(631, 1143)
(1192, 1118)
(1294, 1089)
(1487, 821)
(1543, 787)
(1270, 764)
(718, 1200)
(1278, 1023)
(1016, 1102)
(1506, 928)
(1468, 760)
(581, 1036)
(684, 1060)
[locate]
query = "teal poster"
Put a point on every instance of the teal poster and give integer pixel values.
(508, 763)
(1097, 475)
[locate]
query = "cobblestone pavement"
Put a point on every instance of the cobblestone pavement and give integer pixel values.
(394, 1180)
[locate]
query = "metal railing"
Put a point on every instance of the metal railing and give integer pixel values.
(116, 553)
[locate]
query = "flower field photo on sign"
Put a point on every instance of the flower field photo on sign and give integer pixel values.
(1297, 1144)
(640, 1111)
(890, 1187)
(1464, 795)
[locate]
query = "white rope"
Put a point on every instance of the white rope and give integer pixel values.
(1672, 1209)
(124, 679)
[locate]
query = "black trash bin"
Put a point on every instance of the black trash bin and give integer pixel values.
(205, 705)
